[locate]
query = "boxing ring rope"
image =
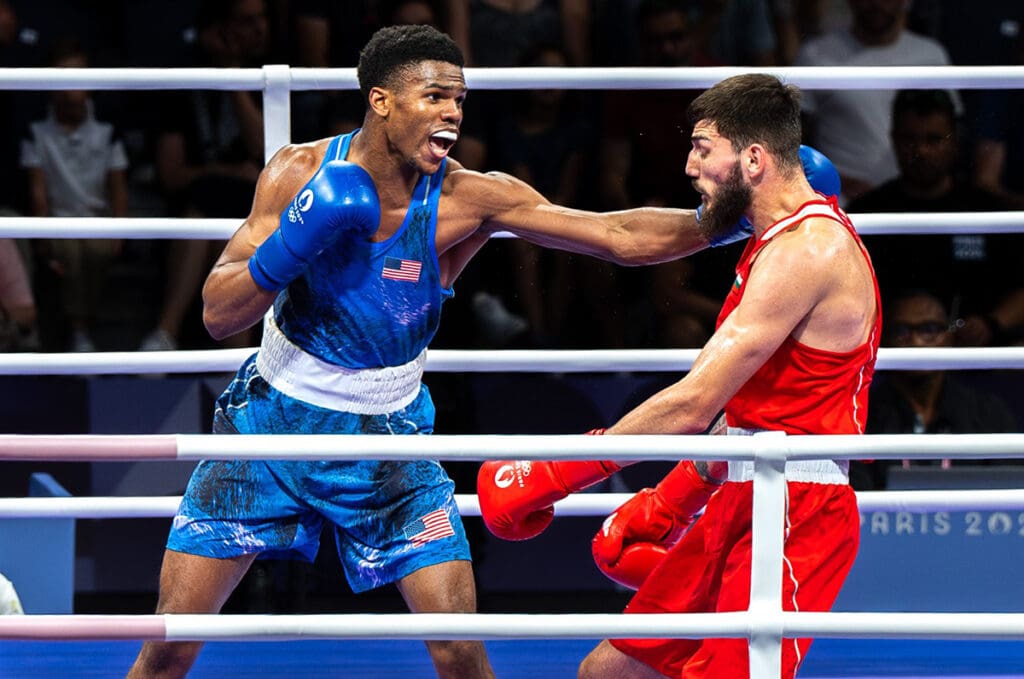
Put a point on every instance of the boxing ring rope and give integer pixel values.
(765, 624)
(481, 360)
(511, 626)
(583, 504)
(515, 78)
(192, 228)
(476, 447)
(277, 81)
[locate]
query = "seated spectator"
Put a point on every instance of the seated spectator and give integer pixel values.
(999, 140)
(726, 32)
(501, 33)
(643, 149)
(815, 18)
(18, 317)
(543, 139)
(924, 401)
(852, 126)
(76, 167)
(17, 108)
(327, 35)
(974, 34)
(643, 146)
(208, 156)
(736, 32)
(975, 274)
(501, 306)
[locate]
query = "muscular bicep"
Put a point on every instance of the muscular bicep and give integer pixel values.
(783, 286)
(742, 344)
(787, 281)
(232, 301)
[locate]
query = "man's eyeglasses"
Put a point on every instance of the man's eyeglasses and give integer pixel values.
(929, 331)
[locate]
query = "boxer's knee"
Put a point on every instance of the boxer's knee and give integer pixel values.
(165, 660)
(607, 662)
(459, 659)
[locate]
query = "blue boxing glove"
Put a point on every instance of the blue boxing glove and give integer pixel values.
(340, 198)
(821, 174)
(743, 230)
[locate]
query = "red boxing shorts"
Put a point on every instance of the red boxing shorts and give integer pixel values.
(709, 571)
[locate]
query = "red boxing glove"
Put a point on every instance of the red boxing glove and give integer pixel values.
(635, 538)
(517, 497)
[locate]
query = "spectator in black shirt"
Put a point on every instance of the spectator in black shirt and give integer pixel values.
(208, 156)
(977, 275)
(924, 401)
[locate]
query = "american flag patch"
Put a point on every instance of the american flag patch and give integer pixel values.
(429, 527)
(396, 269)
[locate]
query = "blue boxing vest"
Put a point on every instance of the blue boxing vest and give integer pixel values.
(370, 305)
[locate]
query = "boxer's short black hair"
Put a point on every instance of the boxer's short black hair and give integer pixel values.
(393, 48)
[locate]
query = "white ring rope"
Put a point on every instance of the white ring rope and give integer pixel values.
(476, 447)
(490, 626)
(141, 228)
(145, 228)
(583, 504)
(556, 361)
(519, 78)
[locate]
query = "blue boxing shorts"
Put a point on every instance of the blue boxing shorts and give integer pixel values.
(390, 518)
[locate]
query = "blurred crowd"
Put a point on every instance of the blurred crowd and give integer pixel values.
(182, 153)
(198, 153)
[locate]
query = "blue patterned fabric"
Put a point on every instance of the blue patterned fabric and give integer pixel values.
(360, 305)
(368, 305)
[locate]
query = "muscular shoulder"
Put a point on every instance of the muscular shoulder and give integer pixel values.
(287, 171)
(809, 260)
(283, 176)
(820, 265)
(813, 242)
(489, 188)
(299, 159)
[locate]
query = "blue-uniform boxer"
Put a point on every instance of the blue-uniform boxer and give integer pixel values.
(343, 352)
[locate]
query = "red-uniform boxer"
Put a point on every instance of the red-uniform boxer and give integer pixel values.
(794, 351)
(799, 390)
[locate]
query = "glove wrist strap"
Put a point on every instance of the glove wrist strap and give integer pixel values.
(575, 475)
(685, 490)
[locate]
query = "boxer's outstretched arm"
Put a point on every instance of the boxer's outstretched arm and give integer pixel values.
(638, 236)
(501, 202)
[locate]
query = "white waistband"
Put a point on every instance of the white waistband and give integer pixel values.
(805, 471)
(370, 391)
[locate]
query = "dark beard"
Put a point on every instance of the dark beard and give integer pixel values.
(731, 201)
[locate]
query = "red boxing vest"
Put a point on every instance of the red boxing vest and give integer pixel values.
(801, 389)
